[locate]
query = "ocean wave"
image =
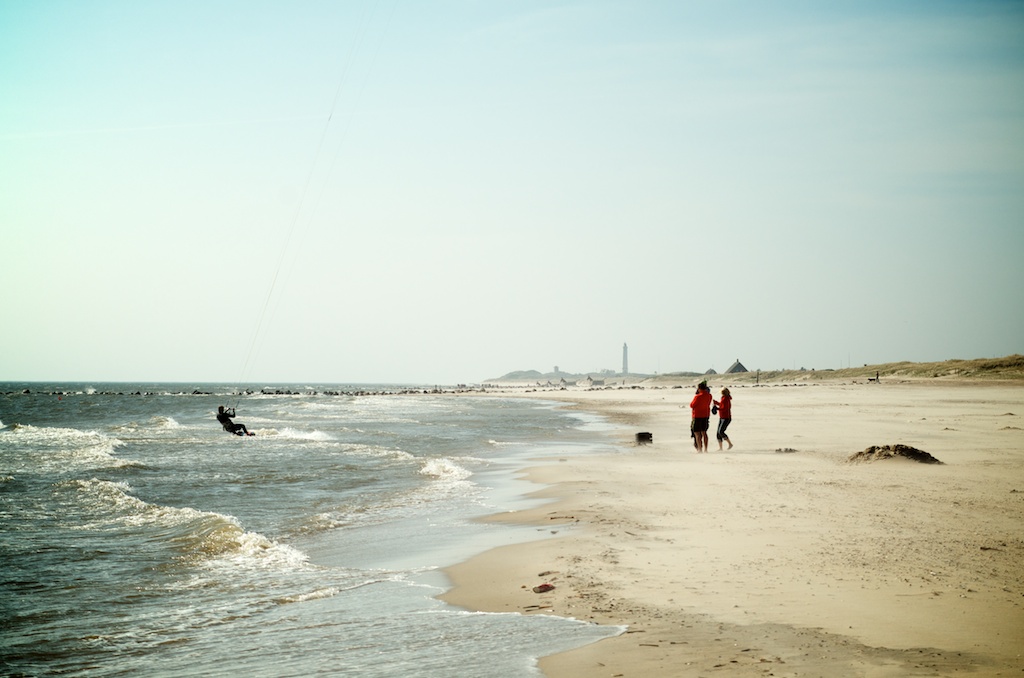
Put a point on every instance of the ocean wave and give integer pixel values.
(443, 468)
(251, 550)
(100, 497)
(373, 451)
(288, 433)
(295, 434)
(158, 422)
(501, 443)
(322, 522)
(328, 592)
(164, 422)
(51, 449)
(199, 538)
(442, 479)
(329, 406)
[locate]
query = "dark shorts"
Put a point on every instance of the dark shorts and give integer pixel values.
(722, 425)
(699, 424)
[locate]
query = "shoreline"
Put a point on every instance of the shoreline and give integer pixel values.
(761, 562)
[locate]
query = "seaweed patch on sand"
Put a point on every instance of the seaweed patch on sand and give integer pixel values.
(878, 453)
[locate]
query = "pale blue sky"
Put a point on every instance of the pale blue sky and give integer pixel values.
(505, 185)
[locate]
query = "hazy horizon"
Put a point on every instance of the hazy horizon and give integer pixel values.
(546, 373)
(386, 192)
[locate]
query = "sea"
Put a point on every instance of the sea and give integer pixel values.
(138, 538)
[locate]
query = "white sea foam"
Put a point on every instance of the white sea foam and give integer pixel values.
(201, 536)
(376, 451)
(113, 503)
(445, 469)
(103, 495)
(254, 550)
(165, 422)
(202, 545)
(447, 478)
(55, 449)
(295, 434)
(324, 521)
(327, 592)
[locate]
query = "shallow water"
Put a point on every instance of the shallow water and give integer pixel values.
(139, 538)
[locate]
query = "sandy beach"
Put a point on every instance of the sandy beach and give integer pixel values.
(781, 557)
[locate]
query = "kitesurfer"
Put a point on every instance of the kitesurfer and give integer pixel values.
(225, 417)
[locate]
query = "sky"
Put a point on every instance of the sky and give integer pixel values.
(388, 191)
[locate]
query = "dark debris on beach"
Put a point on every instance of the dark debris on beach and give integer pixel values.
(897, 451)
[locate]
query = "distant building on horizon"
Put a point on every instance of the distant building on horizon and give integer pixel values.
(736, 368)
(625, 359)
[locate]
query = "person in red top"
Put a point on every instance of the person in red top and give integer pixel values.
(700, 408)
(724, 417)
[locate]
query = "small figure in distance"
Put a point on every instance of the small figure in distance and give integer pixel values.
(225, 417)
(700, 408)
(724, 407)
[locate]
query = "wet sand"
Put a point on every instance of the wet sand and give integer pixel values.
(780, 557)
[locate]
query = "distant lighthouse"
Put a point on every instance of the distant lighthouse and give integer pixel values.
(625, 359)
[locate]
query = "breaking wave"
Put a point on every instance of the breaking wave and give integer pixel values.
(296, 434)
(50, 449)
(445, 469)
(195, 537)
